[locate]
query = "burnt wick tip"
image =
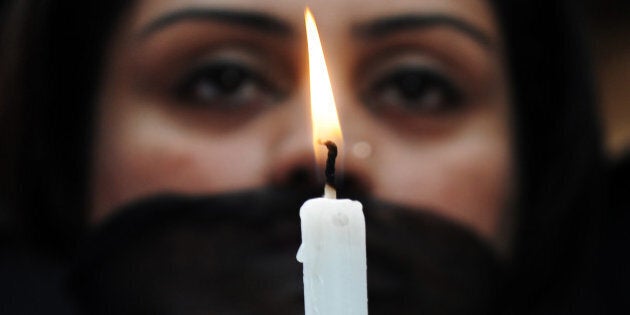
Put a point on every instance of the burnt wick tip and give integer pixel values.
(330, 162)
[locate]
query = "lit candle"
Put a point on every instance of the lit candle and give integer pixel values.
(333, 230)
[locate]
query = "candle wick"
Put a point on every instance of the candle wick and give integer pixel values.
(330, 188)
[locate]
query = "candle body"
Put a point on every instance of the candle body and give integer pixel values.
(334, 258)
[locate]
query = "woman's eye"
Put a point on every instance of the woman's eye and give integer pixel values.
(227, 86)
(413, 90)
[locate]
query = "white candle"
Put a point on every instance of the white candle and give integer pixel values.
(333, 231)
(333, 254)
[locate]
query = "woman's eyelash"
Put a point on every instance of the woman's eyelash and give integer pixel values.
(413, 89)
(231, 85)
(226, 85)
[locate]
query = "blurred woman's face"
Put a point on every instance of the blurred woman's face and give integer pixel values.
(206, 97)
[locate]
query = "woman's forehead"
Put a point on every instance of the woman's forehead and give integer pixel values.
(334, 15)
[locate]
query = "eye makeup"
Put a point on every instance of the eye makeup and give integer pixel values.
(231, 79)
(411, 84)
(426, 80)
(200, 67)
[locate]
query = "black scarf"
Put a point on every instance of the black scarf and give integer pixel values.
(235, 254)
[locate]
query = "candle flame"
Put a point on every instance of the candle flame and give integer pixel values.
(323, 110)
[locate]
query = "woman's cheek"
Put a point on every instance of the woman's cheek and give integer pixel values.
(465, 179)
(149, 153)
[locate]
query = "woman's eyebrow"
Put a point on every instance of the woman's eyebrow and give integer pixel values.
(392, 24)
(256, 21)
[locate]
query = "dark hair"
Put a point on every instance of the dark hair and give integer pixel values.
(559, 154)
(52, 58)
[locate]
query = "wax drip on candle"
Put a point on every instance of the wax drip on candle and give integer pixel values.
(329, 189)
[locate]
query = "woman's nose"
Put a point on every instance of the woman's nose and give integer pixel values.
(293, 161)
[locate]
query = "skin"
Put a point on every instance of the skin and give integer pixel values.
(455, 161)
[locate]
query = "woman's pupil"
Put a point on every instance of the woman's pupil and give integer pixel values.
(229, 79)
(410, 84)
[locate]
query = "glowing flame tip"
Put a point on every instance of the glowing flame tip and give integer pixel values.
(323, 110)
